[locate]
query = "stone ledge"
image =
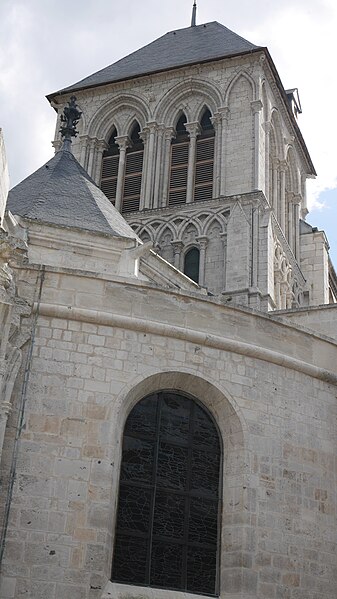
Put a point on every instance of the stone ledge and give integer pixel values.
(115, 590)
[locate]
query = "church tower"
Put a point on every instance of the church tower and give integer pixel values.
(168, 350)
(194, 139)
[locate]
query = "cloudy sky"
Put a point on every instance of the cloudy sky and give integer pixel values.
(48, 44)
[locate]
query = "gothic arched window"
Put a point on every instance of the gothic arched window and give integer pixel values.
(179, 164)
(204, 164)
(110, 168)
(191, 264)
(167, 531)
(133, 172)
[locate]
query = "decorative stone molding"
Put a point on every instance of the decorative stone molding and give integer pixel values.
(256, 106)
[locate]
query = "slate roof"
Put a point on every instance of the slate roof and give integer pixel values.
(203, 43)
(62, 193)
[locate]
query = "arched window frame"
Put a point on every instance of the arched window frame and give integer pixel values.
(109, 169)
(219, 497)
(204, 160)
(132, 181)
(188, 248)
(179, 157)
(191, 170)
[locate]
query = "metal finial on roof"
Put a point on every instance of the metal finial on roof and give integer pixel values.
(194, 14)
(70, 117)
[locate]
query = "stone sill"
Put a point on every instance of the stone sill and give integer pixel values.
(115, 590)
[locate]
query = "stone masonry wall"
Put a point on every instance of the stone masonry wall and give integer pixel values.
(90, 367)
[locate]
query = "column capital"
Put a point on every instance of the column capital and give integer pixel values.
(283, 165)
(177, 245)
(266, 126)
(57, 144)
(224, 112)
(149, 129)
(256, 106)
(297, 199)
(193, 128)
(123, 141)
(203, 241)
(5, 408)
(102, 145)
(216, 119)
(161, 129)
(169, 133)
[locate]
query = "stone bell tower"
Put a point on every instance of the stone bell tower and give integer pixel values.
(195, 140)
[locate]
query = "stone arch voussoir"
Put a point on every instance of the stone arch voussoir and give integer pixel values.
(176, 99)
(100, 124)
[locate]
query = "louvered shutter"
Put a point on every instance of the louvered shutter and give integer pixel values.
(203, 189)
(132, 181)
(109, 176)
(178, 173)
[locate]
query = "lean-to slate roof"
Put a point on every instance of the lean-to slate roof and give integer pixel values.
(203, 43)
(62, 193)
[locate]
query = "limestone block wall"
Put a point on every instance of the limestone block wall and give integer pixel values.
(315, 267)
(270, 388)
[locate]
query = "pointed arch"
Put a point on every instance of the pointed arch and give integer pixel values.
(240, 160)
(204, 109)
(188, 95)
(241, 75)
(133, 169)
(179, 161)
(109, 170)
(118, 110)
(214, 220)
(276, 125)
(204, 161)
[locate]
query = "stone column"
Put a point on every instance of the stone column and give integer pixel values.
(5, 409)
(193, 130)
(150, 165)
(224, 244)
(278, 278)
(282, 171)
(91, 159)
(177, 249)
(159, 167)
(224, 121)
(144, 135)
(203, 240)
(275, 166)
(289, 203)
(123, 143)
(83, 154)
(216, 122)
(101, 146)
(169, 133)
(284, 290)
(256, 106)
(255, 245)
(267, 128)
(297, 204)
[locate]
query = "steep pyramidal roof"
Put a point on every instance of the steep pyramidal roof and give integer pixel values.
(62, 193)
(191, 45)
